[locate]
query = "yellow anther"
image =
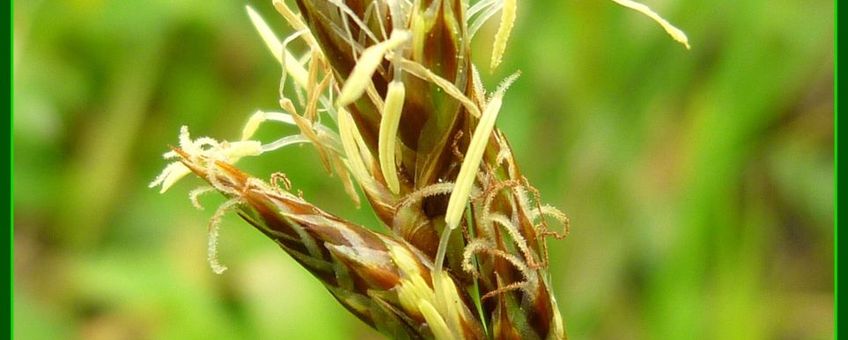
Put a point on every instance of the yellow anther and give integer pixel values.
(392, 110)
(674, 32)
(369, 60)
(510, 7)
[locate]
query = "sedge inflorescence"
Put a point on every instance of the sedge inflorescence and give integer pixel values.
(390, 100)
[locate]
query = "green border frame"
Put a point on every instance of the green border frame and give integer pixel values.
(8, 184)
(8, 80)
(836, 165)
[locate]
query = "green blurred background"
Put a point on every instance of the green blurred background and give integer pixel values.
(699, 183)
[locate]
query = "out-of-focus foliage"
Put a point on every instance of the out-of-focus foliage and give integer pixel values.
(699, 183)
